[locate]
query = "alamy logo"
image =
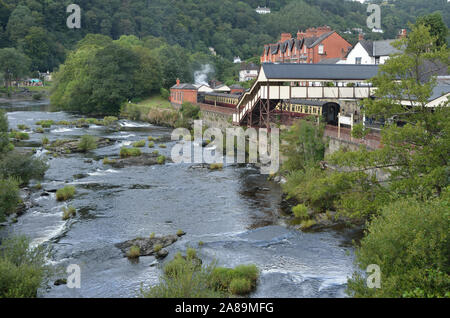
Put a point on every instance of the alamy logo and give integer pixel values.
(263, 146)
(374, 19)
(74, 20)
(374, 279)
(74, 278)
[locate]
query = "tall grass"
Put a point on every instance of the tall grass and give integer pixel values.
(65, 193)
(130, 152)
(186, 277)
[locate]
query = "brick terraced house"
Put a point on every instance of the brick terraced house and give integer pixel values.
(312, 46)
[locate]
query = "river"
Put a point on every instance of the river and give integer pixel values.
(235, 212)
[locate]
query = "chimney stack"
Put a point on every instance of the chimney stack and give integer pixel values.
(361, 37)
(402, 34)
(178, 81)
(285, 36)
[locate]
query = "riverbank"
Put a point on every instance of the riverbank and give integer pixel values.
(19, 94)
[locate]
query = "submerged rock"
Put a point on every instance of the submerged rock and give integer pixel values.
(68, 146)
(145, 159)
(147, 245)
(61, 281)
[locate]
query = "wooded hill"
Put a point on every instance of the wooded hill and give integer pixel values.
(232, 27)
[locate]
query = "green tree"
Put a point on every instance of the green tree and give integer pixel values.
(409, 241)
(414, 157)
(36, 46)
(13, 64)
(437, 26)
(20, 21)
(22, 268)
(303, 145)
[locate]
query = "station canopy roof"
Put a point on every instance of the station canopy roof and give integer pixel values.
(329, 72)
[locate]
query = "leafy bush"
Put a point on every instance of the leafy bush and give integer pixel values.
(22, 166)
(139, 144)
(162, 146)
(66, 193)
(38, 96)
(109, 120)
(157, 248)
(9, 196)
(151, 144)
(359, 131)
(69, 212)
(130, 152)
(190, 111)
(87, 143)
(39, 130)
(300, 211)
(164, 93)
(134, 252)
(151, 138)
(409, 240)
(22, 268)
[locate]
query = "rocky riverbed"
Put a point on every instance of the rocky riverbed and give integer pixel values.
(232, 215)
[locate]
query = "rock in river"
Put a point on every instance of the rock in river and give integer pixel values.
(147, 245)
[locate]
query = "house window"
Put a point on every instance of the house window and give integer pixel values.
(321, 50)
(377, 60)
(358, 60)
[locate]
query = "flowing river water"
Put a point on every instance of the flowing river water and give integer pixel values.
(235, 212)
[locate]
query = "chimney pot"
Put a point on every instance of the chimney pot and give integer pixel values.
(178, 81)
(361, 37)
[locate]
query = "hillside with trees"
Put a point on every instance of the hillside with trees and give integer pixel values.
(233, 28)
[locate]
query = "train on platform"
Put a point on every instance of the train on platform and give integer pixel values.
(328, 111)
(219, 99)
(297, 108)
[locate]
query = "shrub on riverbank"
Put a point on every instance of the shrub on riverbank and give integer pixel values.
(22, 268)
(300, 211)
(130, 152)
(65, 193)
(409, 241)
(9, 196)
(186, 277)
(151, 144)
(87, 143)
(22, 166)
